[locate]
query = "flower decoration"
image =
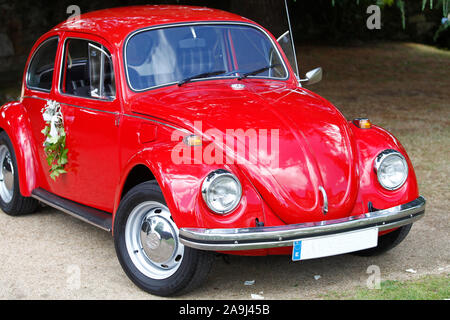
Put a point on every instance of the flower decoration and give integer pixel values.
(55, 139)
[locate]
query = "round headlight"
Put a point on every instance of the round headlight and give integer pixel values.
(392, 169)
(221, 191)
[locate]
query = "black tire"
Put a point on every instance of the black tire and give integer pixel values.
(17, 205)
(386, 242)
(194, 266)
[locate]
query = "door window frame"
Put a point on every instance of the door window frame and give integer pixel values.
(63, 62)
(33, 56)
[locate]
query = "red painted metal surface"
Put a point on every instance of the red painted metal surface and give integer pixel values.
(106, 140)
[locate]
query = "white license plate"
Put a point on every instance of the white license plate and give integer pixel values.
(335, 244)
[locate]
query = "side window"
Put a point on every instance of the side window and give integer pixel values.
(262, 53)
(42, 65)
(88, 71)
(285, 42)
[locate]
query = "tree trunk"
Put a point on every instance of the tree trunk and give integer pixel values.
(271, 14)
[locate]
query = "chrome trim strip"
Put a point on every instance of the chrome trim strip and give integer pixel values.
(116, 113)
(75, 106)
(158, 122)
(282, 236)
(282, 36)
(90, 109)
(164, 26)
(31, 97)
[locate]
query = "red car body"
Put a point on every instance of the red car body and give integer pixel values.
(114, 145)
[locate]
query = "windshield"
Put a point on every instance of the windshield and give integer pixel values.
(170, 55)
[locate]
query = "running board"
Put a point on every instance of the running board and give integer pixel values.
(98, 218)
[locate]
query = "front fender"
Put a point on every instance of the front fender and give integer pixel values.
(370, 143)
(181, 183)
(15, 122)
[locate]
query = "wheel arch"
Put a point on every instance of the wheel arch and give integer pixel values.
(179, 184)
(136, 172)
(369, 144)
(15, 123)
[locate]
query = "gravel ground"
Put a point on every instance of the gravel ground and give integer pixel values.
(50, 255)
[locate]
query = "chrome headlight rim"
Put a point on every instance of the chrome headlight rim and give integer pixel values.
(209, 181)
(379, 161)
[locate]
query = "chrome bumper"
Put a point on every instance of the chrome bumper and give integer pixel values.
(283, 236)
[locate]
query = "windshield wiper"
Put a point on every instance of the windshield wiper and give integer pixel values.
(201, 75)
(225, 73)
(254, 73)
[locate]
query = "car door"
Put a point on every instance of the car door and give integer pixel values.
(86, 91)
(38, 89)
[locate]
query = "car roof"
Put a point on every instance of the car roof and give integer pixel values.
(115, 24)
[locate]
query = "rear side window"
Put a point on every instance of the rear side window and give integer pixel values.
(88, 70)
(42, 66)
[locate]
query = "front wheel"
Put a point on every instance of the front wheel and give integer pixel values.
(148, 247)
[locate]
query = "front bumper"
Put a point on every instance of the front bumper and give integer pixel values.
(283, 236)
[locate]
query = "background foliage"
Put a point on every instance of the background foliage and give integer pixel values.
(335, 22)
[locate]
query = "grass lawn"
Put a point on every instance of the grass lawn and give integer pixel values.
(436, 287)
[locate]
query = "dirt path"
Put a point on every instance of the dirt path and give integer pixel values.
(402, 87)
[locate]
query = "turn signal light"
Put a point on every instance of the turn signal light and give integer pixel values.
(362, 123)
(193, 141)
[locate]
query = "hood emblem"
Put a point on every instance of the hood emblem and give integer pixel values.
(325, 200)
(237, 86)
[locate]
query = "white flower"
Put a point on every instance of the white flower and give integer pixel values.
(47, 117)
(51, 109)
(53, 129)
(52, 115)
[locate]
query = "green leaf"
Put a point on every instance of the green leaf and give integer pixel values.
(45, 131)
(50, 159)
(62, 161)
(54, 175)
(51, 145)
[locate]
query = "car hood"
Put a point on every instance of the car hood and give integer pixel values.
(314, 148)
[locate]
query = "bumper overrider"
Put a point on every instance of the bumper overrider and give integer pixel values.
(283, 236)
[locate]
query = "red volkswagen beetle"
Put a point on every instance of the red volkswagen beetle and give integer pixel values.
(185, 131)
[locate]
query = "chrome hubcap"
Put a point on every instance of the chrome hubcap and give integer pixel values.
(152, 240)
(6, 175)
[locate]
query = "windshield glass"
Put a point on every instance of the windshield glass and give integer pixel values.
(169, 55)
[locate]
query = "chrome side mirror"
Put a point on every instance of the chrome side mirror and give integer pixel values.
(312, 76)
